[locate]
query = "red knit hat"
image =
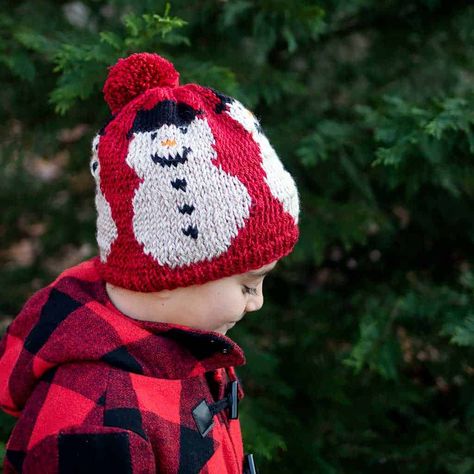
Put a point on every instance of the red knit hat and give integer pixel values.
(189, 189)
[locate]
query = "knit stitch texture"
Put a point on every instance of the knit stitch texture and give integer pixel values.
(99, 392)
(189, 188)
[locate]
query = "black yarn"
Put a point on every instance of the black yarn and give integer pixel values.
(166, 112)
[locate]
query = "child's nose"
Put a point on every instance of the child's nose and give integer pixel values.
(168, 143)
(255, 302)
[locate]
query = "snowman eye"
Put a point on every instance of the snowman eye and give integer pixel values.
(94, 166)
(183, 130)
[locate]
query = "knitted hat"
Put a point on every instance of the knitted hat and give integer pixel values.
(189, 189)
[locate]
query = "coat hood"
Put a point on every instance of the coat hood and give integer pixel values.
(73, 320)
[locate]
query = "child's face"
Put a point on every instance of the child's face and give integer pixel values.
(218, 305)
(213, 306)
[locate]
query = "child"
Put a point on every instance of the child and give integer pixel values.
(122, 364)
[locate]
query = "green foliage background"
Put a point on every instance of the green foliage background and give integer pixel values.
(362, 358)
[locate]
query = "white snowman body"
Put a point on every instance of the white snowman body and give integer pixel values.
(280, 182)
(186, 209)
(106, 227)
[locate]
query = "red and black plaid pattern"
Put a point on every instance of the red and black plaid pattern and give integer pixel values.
(99, 392)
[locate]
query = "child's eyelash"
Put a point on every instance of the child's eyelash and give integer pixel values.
(252, 291)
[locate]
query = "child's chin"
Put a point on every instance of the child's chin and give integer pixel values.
(224, 328)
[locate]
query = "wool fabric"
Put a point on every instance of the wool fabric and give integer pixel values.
(188, 187)
(96, 391)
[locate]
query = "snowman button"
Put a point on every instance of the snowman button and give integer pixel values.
(179, 184)
(191, 231)
(186, 209)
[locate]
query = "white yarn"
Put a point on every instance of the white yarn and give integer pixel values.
(280, 182)
(221, 202)
(106, 227)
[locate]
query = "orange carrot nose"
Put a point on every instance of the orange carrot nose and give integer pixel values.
(168, 142)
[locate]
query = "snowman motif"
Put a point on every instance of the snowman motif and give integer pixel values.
(277, 178)
(186, 209)
(106, 227)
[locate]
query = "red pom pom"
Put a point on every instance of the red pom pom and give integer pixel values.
(137, 73)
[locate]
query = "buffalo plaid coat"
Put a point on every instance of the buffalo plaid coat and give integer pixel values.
(99, 392)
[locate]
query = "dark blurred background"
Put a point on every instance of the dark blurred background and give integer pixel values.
(362, 358)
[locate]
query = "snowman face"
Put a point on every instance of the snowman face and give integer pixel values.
(94, 163)
(167, 137)
(169, 147)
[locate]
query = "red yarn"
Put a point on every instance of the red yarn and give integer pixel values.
(137, 73)
(135, 87)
